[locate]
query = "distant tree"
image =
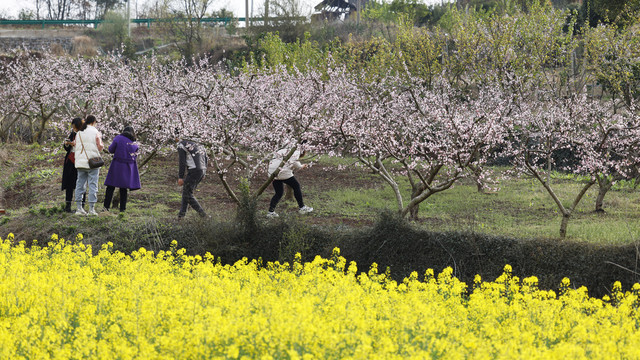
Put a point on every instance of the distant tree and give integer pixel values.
(26, 14)
(57, 9)
(84, 9)
(480, 4)
(563, 4)
(415, 11)
(285, 18)
(104, 6)
(113, 30)
(503, 5)
(74, 9)
(223, 13)
(186, 27)
(39, 4)
(621, 12)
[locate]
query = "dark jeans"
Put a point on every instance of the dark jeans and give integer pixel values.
(191, 181)
(108, 196)
(278, 186)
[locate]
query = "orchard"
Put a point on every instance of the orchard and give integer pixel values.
(398, 126)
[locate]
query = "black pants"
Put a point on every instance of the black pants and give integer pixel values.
(68, 196)
(108, 196)
(191, 181)
(278, 186)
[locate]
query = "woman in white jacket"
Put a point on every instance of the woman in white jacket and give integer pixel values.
(285, 176)
(88, 144)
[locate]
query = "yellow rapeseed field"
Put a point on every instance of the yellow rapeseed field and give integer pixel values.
(61, 302)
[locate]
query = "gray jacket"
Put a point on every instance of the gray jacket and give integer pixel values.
(191, 156)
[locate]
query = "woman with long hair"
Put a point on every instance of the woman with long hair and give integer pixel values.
(69, 172)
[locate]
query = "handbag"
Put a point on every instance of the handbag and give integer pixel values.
(94, 162)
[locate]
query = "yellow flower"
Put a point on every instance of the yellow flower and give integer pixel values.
(233, 352)
(69, 303)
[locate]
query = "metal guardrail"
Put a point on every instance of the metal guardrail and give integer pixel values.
(148, 21)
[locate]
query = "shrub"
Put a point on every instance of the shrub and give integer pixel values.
(57, 49)
(84, 46)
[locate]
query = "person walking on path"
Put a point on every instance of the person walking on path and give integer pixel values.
(192, 168)
(123, 171)
(285, 176)
(88, 145)
(69, 172)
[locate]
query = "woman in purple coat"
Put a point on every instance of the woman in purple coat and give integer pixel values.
(123, 171)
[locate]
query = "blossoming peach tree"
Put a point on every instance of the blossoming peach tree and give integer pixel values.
(600, 142)
(431, 135)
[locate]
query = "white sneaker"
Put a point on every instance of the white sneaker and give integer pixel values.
(92, 212)
(305, 210)
(272, 214)
(80, 211)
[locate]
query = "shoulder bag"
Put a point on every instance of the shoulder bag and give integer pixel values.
(94, 162)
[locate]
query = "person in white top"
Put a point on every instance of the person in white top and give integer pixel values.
(285, 176)
(88, 144)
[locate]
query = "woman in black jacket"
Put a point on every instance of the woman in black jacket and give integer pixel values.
(69, 172)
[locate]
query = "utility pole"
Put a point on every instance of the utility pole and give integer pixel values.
(246, 19)
(128, 18)
(358, 12)
(266, 12)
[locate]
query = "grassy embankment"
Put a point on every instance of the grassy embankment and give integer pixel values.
(471, 232)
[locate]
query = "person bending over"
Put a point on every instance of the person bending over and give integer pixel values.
(285, 176)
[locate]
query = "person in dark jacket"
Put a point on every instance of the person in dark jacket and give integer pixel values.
(123, 171)
(69, 172)
(191, 170)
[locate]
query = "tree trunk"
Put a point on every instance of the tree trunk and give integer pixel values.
(477, 174)
(151, 155)
(379, 168)
(602, 191)
(413, 212)
(566, 212)
(223, 180)
(413, 209)
(564, 224)
(603, 187)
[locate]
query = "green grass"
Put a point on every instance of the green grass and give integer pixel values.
(521, 208)
(526, 211)
(355, 203)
